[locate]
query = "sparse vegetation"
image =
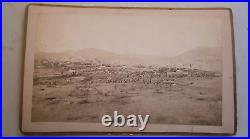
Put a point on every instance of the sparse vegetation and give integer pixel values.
(92, 89)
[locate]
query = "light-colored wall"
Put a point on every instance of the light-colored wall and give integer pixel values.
(13, 55)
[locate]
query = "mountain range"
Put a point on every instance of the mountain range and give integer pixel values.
(209, 58)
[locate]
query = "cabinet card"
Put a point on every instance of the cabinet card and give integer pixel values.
(104, 69)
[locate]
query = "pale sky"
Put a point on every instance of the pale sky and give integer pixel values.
(163, 34)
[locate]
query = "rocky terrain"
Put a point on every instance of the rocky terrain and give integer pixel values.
(85, 85)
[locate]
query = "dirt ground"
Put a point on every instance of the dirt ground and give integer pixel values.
(189, 101)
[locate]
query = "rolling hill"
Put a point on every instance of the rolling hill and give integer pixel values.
(202, 58)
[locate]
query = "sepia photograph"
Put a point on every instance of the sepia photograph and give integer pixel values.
(173, 67)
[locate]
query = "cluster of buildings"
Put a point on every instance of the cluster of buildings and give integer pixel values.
(113, 73)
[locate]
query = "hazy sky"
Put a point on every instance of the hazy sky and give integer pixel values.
(162, 33)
